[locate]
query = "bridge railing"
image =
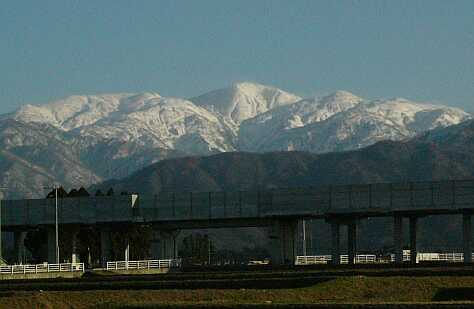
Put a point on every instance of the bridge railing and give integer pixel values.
(41, 268)
(144, 264)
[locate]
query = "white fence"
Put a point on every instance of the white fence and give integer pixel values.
(448, 257)
(146, 264)
(313, 259)
(344, 259)
(41, 268)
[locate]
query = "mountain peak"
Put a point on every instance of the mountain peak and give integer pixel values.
(244, 100)
(341, 97)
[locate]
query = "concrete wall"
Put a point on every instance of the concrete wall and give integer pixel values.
(41, 276)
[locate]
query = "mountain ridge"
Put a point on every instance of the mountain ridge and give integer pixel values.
(422, 158)
(112, 135)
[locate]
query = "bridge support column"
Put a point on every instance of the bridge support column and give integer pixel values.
(283, 236)
(105, 246)
(352, 241)
(335, 243)
(398, 238)
(413, 246)
(19, 238)
(164, 245)
(74, 246)
(467, 238)
(51, 246)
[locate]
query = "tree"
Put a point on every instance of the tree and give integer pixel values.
(61, 193)
(82, 192)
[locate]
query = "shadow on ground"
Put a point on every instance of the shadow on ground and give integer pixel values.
(455, 294)
(285, 306)
(218, 284)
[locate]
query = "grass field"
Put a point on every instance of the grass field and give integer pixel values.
(455, 290)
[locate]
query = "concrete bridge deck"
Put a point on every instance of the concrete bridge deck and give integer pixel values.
(279, 209)
(373, 200)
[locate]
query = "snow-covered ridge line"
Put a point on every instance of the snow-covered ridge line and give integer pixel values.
(245, 116)
(80, 140)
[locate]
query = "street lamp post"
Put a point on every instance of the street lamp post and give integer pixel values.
(304, 240)
(56, 225)
(1, 218)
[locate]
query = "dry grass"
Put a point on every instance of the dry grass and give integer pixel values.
(358, 289)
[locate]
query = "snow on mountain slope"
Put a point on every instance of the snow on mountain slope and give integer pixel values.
(168, 123)
(257, 130)
(244, 100)
(366, 124)
(36, 155)
(148, 118)
(80, 111)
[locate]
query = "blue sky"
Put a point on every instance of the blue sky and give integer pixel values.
(422, 50)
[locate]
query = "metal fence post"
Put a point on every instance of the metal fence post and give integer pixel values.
(173, 206)
(330, 197)
(370, 196)
(240, 203)
(210, 205)
(391, 196)
(191, 204)
(432, 194)
(225, 204)
(453, 189)
(258, 203)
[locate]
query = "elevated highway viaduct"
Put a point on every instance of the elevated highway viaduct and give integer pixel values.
(279, 210)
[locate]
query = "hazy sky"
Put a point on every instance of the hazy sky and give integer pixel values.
(422, 50)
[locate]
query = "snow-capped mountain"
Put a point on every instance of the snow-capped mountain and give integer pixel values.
(244, 100)
(33, 156)
(362, 125)
(82, 139)
(147, 119)
(255, 133)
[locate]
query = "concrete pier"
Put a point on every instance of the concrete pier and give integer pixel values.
(51, 245)
(467, 238)
(105, 246)
(335, 243)
(398, 238)
(127, 252)
(283, 236)
(164, 244)
(74, 246)
(413, 246)
(352, 241)
(19, 238)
